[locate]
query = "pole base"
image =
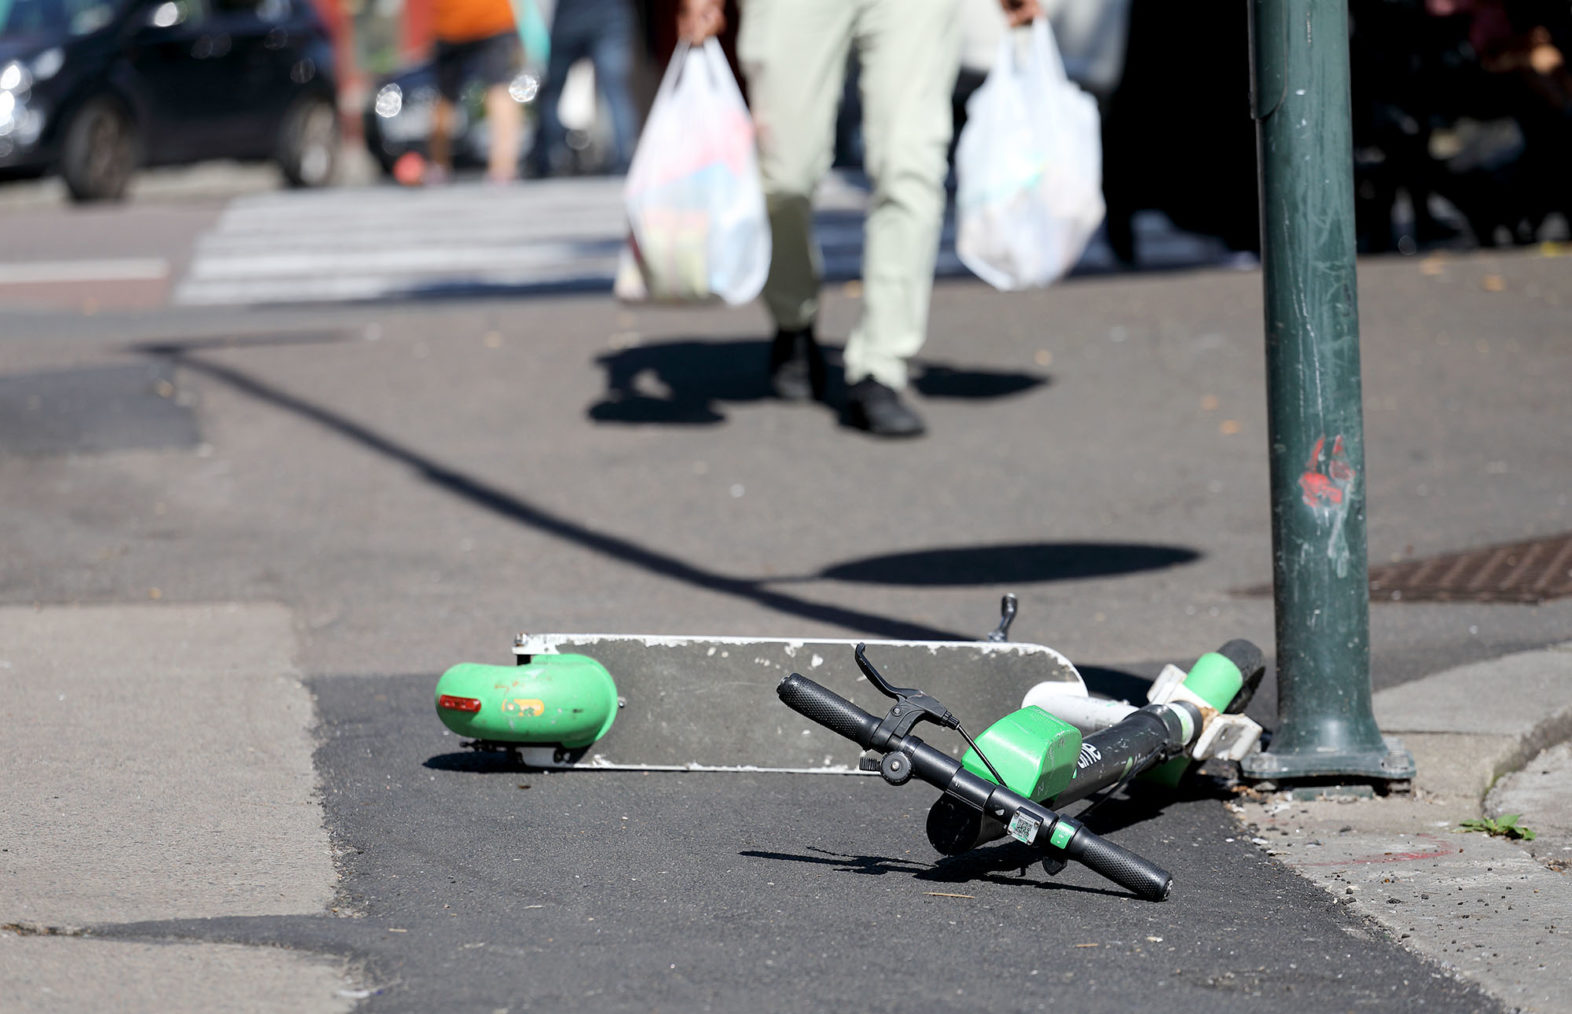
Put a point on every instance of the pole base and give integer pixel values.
(1393, 764)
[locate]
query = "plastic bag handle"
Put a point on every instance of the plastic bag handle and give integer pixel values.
(715, 59)
(1048, 47)
(712, 56)
(668, 80)
(1044, 47)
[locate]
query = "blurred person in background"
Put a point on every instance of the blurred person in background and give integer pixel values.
(1520, 46)
(476, 40)
(603, 32)
(1466, 100)
(793, 55)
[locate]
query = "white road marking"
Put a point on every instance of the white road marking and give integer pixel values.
(354, 244)
(124, 269)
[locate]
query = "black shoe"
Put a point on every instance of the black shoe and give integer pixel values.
(797, 369)
(878, 409)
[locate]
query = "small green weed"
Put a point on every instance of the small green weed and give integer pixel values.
(1504, 826)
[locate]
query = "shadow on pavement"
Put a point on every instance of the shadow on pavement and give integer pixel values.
(984, 864)
(681, 382)
(1142, 801)
(938, 380)
(990, 863)
(685, 383)
(872, 866)
(480, 762)
(964, 565)
(514, 508)
(1115, 684)
(1010, 564)
(217, 342)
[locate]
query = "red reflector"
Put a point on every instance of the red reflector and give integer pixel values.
(458, 703)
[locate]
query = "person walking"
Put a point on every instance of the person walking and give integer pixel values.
(793, 54)
(476, 41)
(601, 31)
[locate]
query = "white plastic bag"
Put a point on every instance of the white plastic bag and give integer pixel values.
(1029, 168)
(697, 225)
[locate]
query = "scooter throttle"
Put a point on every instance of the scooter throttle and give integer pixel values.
(827, 708)
(1118, 864)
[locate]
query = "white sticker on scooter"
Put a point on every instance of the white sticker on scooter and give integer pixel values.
(1024, 827)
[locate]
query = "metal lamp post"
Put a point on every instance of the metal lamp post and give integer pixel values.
(1327, 728)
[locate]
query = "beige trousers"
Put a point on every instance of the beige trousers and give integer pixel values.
(793, 54)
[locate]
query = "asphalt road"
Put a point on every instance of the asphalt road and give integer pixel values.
(416, 482)
(469, 885)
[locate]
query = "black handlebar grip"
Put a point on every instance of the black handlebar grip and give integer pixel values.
(1251, 661)
(1120, 865)
(828, 708)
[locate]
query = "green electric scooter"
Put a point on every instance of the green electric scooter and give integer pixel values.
(1031, 761)
(558, 706)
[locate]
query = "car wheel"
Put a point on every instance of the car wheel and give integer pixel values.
(100, 151)
(308, 151)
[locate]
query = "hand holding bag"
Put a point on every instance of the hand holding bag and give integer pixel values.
(1029, 168)
(698, 228)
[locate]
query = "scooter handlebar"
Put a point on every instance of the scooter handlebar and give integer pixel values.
(1119, 864)
(827, 708)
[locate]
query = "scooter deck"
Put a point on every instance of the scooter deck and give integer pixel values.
(695, 703)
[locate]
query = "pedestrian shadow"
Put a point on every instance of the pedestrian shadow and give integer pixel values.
(1008, 564)
(689, 382)
(682, 383)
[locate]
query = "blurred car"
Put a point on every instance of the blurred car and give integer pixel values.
(93, 89)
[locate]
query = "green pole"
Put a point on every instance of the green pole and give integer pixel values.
(1326, 727)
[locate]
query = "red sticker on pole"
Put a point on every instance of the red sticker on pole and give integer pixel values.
(1327, 488)
(1327, 477)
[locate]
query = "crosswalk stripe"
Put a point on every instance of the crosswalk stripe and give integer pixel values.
(122, 269)
(386, 242)
(390, 242)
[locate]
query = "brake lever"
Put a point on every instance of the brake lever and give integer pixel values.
(874, 677)
(911, 705)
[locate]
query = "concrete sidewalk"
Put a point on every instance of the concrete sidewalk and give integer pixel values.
(158, 765)
(1495, 911)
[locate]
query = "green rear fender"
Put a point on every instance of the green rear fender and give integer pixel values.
(567, 700)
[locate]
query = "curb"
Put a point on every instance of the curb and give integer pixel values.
(1470, 726)
(1484, 909)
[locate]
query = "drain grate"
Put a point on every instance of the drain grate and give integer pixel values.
(1533, 571)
